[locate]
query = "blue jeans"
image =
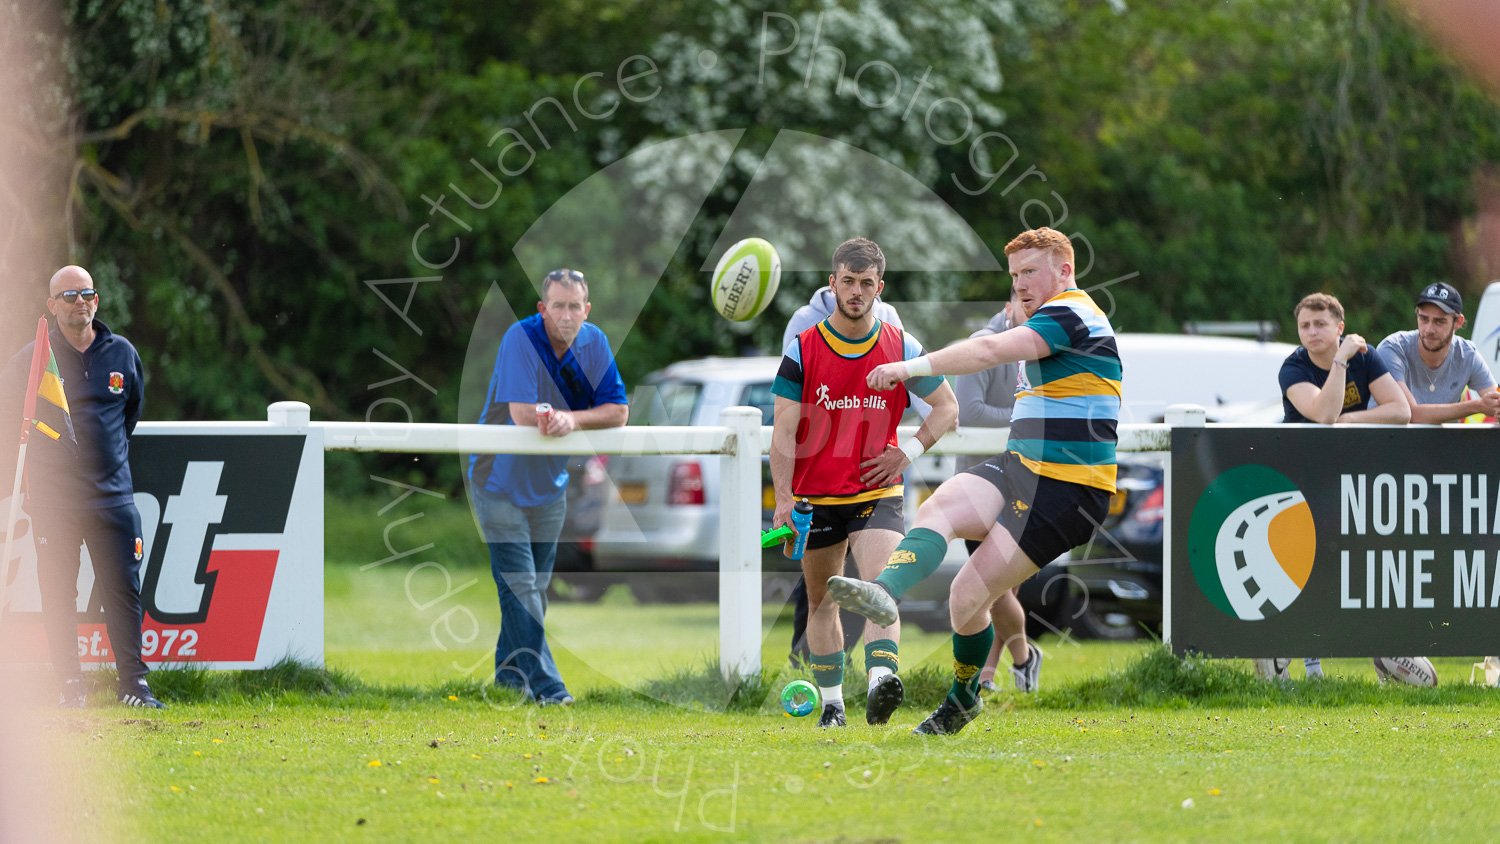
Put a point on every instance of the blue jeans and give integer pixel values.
(523, 550)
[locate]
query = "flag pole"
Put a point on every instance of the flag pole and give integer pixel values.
(39, 357)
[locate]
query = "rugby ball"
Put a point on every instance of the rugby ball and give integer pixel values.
(746, 279)
(1412, 670)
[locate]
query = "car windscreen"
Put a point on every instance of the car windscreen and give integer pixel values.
(759, 397)
(666, 402)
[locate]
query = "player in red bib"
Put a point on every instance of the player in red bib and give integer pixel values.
(834, 444)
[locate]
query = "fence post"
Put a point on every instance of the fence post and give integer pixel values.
(739, 546)
(289, 414)
(1176, 416)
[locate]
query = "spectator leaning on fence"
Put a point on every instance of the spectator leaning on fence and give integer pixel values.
(1332, 377)
(557, 357)
(1432, 364)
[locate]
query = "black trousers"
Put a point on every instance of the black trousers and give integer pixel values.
(111, 536)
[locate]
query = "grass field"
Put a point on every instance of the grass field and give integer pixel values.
(400, 740)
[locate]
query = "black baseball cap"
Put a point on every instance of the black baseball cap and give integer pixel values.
(1445, 296)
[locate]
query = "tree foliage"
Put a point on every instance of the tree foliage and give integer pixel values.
(241, 171)
(1238, 166)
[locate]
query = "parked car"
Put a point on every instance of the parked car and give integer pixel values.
(588, 489)
(659, 531)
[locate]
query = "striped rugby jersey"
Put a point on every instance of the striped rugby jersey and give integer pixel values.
(1068, 403)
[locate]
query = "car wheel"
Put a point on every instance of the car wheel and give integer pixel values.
(1045, 598)
(674, 588)
(776, 588)
(578, 587)
(1090, 622)
(931, 622)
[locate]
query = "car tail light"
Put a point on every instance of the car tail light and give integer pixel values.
(1152, 510)
(594, 470)
(687, 483)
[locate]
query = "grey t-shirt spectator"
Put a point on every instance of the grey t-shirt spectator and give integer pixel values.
(1445, 385)
(987, 397)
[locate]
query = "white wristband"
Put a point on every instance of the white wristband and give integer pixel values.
(914, 449)
(919, 366)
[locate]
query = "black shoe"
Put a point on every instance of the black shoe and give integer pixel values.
(949, 718)
(883, 699)
(1028, 677)
(73, 695)
(833, 716)
(140, 695)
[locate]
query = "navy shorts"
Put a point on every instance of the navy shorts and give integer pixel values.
(832, 523)
(1046, 516)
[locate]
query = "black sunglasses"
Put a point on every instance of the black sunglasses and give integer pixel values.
(89, 294)
(559, 275)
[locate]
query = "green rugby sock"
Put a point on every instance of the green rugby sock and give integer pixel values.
(881, 653)
(918, 556)
(828, 674)
(969, 654)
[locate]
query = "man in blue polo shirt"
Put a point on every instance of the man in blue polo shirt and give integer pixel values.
(555, 357)
(87, 496)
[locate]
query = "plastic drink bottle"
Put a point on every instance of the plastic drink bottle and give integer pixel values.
(802, 513)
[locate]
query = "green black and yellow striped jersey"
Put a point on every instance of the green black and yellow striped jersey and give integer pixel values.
(1068, 403)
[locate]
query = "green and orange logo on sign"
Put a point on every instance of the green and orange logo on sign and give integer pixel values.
(1251, 542)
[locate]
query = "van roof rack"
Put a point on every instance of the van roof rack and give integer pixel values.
(1263, 330)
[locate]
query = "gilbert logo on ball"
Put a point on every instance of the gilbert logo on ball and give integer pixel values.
(746, 279)
(1251, 542)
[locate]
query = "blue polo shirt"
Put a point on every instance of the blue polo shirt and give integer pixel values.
(528, 371)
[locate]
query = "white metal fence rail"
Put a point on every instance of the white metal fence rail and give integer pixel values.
(740, 442)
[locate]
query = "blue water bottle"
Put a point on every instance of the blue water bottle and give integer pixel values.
(802, 521)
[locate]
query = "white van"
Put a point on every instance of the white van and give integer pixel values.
(1233, 378)
(1486, 333)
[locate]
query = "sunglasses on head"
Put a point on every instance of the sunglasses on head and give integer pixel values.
(89, 294)
(559, 275)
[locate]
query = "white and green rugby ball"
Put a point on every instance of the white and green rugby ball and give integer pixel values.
(746, 279)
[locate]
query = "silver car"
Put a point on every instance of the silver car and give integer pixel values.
(659, 532)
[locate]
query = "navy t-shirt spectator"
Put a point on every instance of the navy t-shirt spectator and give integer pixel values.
(1364, 368)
